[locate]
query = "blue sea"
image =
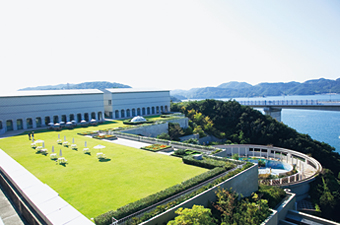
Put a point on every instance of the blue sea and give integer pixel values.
(323, 126)
(320, 125)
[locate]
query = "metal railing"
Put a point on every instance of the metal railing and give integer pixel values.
(291, 102)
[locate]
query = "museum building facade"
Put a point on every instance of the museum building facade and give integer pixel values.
(24, 110)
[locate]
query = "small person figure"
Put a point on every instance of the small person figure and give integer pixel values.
(29, 136)
(32, 134)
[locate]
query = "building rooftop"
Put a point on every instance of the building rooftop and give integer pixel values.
(126, 90)
(50, 92)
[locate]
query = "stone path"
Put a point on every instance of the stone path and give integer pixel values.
(8, 215)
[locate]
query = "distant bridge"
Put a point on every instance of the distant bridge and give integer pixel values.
(274, 107)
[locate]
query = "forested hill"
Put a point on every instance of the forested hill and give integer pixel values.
(241, 89)
(243, 125)
(85, 85)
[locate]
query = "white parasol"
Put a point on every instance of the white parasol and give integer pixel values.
(99, 147)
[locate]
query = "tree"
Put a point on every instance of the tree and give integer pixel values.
(198, 130)
(175, 131)
(164, 136)
(198, 215)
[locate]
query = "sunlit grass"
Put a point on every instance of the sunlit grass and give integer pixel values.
(95, 187)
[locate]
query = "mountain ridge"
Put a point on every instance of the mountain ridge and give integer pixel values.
(236, 89)
(84, 85)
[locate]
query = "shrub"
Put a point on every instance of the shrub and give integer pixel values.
(235, 157)
(180, 152)
(164, 136)
(208, 163)
(273, 194)
(216, 151)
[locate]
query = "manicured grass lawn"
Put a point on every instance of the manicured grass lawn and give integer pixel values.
(95, 187)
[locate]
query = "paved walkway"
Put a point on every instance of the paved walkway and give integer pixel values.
(135, 144)
(8, 214)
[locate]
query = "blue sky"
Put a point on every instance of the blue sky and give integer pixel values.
(177, 44)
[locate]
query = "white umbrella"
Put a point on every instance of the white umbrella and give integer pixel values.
(60, 153)
(93, 120)
(39, 141)
(99, 147)
(51, 124)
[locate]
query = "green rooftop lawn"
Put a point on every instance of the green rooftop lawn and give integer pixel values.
(95, 187)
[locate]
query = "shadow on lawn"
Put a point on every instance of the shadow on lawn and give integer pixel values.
(104, 160)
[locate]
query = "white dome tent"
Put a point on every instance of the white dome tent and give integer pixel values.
(138, 119)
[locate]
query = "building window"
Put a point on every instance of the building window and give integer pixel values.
(79, 117)
(38, 121)
(161, 108)
(29, 123)
(93, 115)
(0, 125)
(128, 113)
(86, 117)
(148, 111)
(133, 112)
(47, 120)
(9, 125)
(71, 117)
(157, 109)
(100, 117)
(138, 112)
(122, 113)
(143, 111)
(110, 102)
(20, 124)
(153, 110)
(55, 119)
(116, 114)
(63, 118)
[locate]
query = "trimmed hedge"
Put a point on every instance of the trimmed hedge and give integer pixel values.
(208, 163)
(128, 122)
(182, 153)
(162, 208)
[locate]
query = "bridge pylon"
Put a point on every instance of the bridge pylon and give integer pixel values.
(274, 112)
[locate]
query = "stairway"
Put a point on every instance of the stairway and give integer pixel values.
(298, 218)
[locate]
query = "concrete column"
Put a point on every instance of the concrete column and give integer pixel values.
(273, 112)
(238, 151)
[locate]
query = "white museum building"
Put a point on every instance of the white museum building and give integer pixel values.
(34, 109)
(130, 102)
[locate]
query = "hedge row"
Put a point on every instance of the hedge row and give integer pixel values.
(133, 207)
(128, 122)
(164, 207)
(206, 162)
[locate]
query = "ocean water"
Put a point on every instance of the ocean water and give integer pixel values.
(323, 126)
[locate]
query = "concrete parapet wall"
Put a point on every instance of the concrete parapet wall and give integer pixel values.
(149, 131)
(244, 183)
(183, 122)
